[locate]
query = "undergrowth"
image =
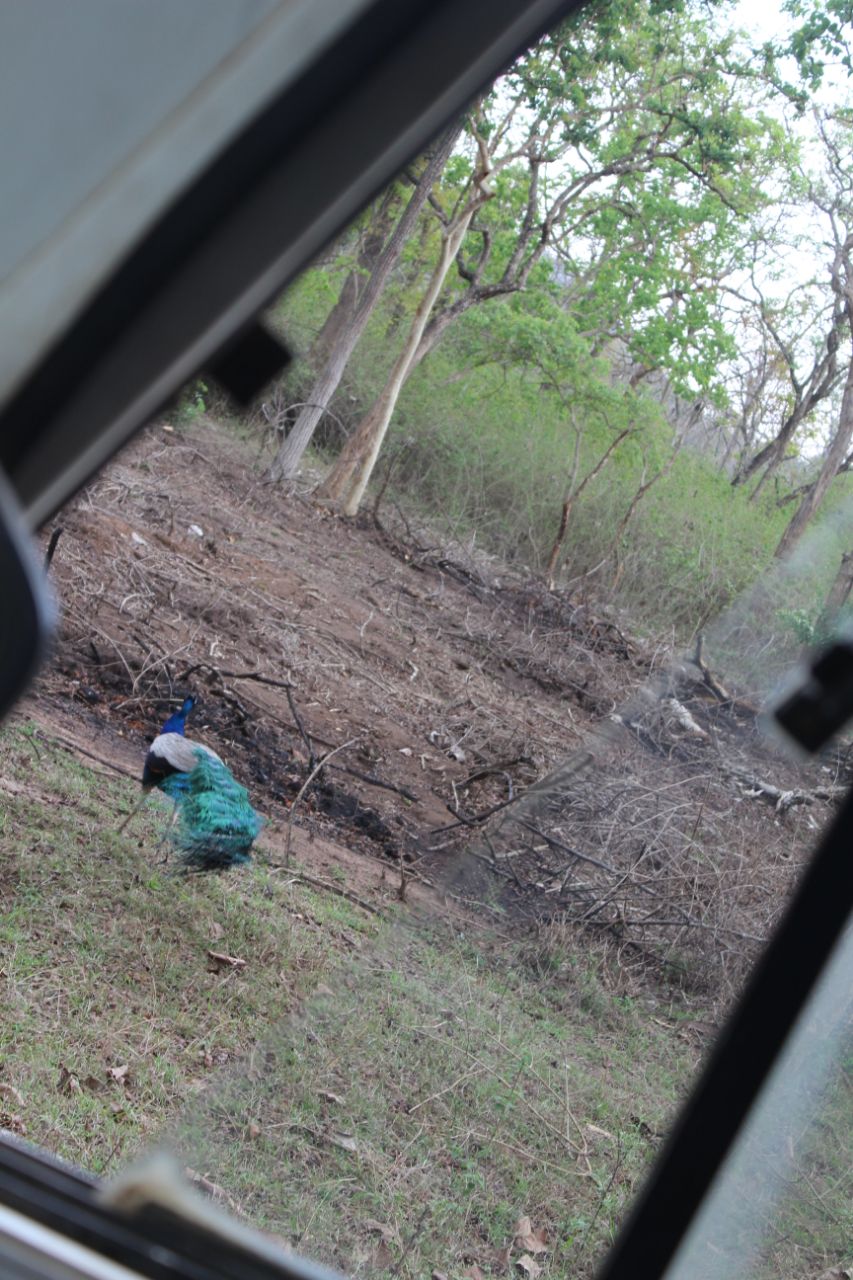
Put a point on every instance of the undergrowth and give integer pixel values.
(482, 446)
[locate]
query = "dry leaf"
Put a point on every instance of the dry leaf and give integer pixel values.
(119, 1074)
(9, 1091)
(343, 1140)
(93, 1084)
(438, 1275)
(528, 1267)
(68, 1082)
(322, 990)
(380, 1228)
(473, 1272)
(253, 1130)
(330, 1097)
(213, 1190)
(526, 1238)
(218, 960)
(602, 1133)
(216, 931)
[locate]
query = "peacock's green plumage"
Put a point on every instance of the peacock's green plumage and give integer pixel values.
(215, 823)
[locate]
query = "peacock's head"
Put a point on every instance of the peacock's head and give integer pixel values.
(188, 705)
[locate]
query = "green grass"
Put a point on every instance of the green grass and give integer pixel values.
(443, 1094)
(105, 964)
(443, 1090)
(386, 1097)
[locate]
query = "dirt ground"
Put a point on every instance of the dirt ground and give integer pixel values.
(491, 739)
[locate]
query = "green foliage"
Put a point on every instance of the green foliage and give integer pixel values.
(483, 443)
(804, 626)
(192, 402)
(652, 149)
(815, 629)
(823, 36)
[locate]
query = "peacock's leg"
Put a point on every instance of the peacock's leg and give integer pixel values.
(134, 811)
(169, 827)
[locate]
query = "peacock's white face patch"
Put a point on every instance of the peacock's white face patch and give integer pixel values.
(180, 752)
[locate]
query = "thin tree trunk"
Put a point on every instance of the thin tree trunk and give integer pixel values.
(835, 455)
(565, 513)
(772, 453)
(645, 486)
(346, 482)
(572, 497)
(287, 460)
(772, 465)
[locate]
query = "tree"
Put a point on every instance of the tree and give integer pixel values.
(287, 460)
(573, 492)
(838, 595)
(831, 465)
(642, 149)
(834, 196)
(806, 349)
(373, 236)
(348, 479)
(614, 126)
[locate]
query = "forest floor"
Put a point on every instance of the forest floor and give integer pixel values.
(442, 1022)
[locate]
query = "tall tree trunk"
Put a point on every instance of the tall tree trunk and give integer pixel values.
(839, 592)
(369, 253)
(346, 482)
(772, 453)
(835, 455)
(287, 460)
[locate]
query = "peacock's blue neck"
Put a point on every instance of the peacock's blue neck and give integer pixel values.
(177, 722)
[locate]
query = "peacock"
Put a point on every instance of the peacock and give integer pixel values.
(213, 823)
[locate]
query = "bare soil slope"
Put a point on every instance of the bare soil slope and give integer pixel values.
(457, 688)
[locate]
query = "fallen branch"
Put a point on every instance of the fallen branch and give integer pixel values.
(312, 759)
(782, 800)
(685, 920)
(233, 675)
(214, 1191)
(71, 745)
(500, 768)
(717, 689)
(331, 888)
(372, 781)
(475, 821)
(318, 768)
